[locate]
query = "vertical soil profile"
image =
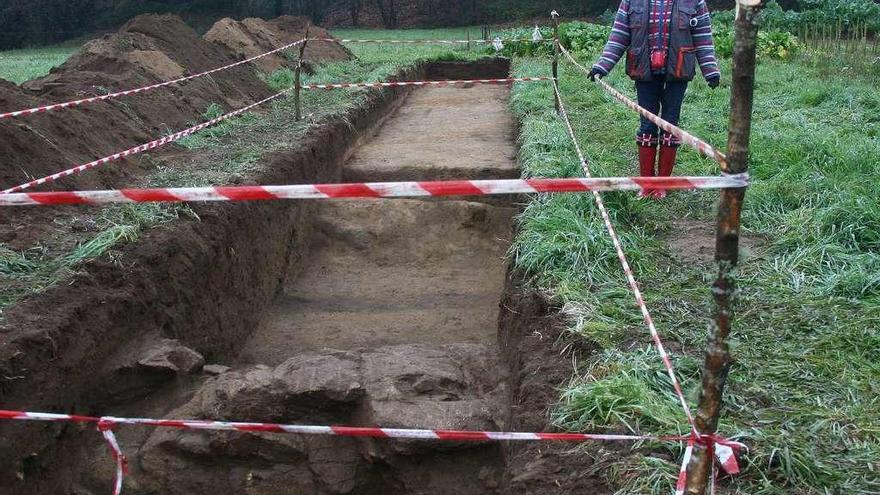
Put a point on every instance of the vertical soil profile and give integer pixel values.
(399, 313)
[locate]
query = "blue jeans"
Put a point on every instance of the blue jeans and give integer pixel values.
(664, 98)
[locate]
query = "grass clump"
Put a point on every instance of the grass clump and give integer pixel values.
(22, 65)
(32, 271)
(803, 393)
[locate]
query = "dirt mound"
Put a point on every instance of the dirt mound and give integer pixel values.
(252, 37)
(42, 144)
(147, 50)
(151, 49)
(455, 387)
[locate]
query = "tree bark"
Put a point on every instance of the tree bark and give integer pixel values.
(717, 359)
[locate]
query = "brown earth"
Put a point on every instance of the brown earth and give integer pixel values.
(365, 312)
(147, 50)
(251, 37)
(693, 241)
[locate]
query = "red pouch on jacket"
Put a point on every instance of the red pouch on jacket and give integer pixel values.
(658, 59)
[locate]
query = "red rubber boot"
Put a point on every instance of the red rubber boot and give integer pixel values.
(665, 166)
(647, 158)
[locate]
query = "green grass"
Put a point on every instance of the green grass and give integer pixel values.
(37, 269)
(803, 393)
(25, 64)
(235, 149)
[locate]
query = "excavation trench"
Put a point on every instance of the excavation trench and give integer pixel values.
(399, 313)
(390, 320)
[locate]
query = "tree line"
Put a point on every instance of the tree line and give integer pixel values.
(40, 22)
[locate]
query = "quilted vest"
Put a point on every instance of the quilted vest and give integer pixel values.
(681, 60)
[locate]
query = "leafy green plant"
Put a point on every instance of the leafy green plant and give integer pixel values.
(582, 36)
(577, 36)
(525, 48)
(780, 45)
(777, 44)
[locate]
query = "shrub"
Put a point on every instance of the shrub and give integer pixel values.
(577, 36)
(583, 37)
(777, 44)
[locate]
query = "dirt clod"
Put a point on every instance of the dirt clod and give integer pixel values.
(171, 356)
(252, 37)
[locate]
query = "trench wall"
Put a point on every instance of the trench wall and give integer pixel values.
(203, 282)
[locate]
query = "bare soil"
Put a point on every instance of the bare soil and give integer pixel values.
(444, 133)
(391, 272)
(359, 313)
(693, 241)
(251, 37)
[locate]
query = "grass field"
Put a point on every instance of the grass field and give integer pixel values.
(23, 65)
(804, 391)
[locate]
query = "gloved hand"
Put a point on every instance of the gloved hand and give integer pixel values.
(594, 73)
(714, 82)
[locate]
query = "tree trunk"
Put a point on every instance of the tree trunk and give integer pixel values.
(355, 9)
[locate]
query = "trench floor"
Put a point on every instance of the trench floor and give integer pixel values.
(386, 272)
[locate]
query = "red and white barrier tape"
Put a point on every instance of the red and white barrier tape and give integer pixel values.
(438, 42)
(370, 190)
(106, 429)
(139, 149)
(726, 456)
(84, 101)
(182, 134)
(106, 424)
(393, 84)
(687, 138)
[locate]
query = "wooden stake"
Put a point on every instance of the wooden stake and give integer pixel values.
(297, 77)
(556, 51)
(717, 359)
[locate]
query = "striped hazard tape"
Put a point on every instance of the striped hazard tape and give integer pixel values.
(698, 144)
(392, 84)
(139, 149)
(192, 130)
(370, 190)
(723, 453)
(438, 42)
(724, 449)
(129, 92)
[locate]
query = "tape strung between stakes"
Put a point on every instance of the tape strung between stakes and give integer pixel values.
(192, 130)
(698, 144)
(724, 449)
(144, 89)
(393, 84)
(439, 42)
(370, 190)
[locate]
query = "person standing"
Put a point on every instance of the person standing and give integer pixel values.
(664, 41)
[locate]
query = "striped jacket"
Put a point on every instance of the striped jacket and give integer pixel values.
(682, 28)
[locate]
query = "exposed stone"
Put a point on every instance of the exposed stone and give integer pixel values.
(406, 386)
(215, 369)
(173, 357)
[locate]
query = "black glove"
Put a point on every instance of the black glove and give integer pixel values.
(714, 82)
(594, 73)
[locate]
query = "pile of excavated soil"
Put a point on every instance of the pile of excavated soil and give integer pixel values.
(149, 49)
(251, 37)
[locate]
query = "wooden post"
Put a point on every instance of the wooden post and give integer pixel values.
(297, 77)
(555, 68)
(717, 359)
